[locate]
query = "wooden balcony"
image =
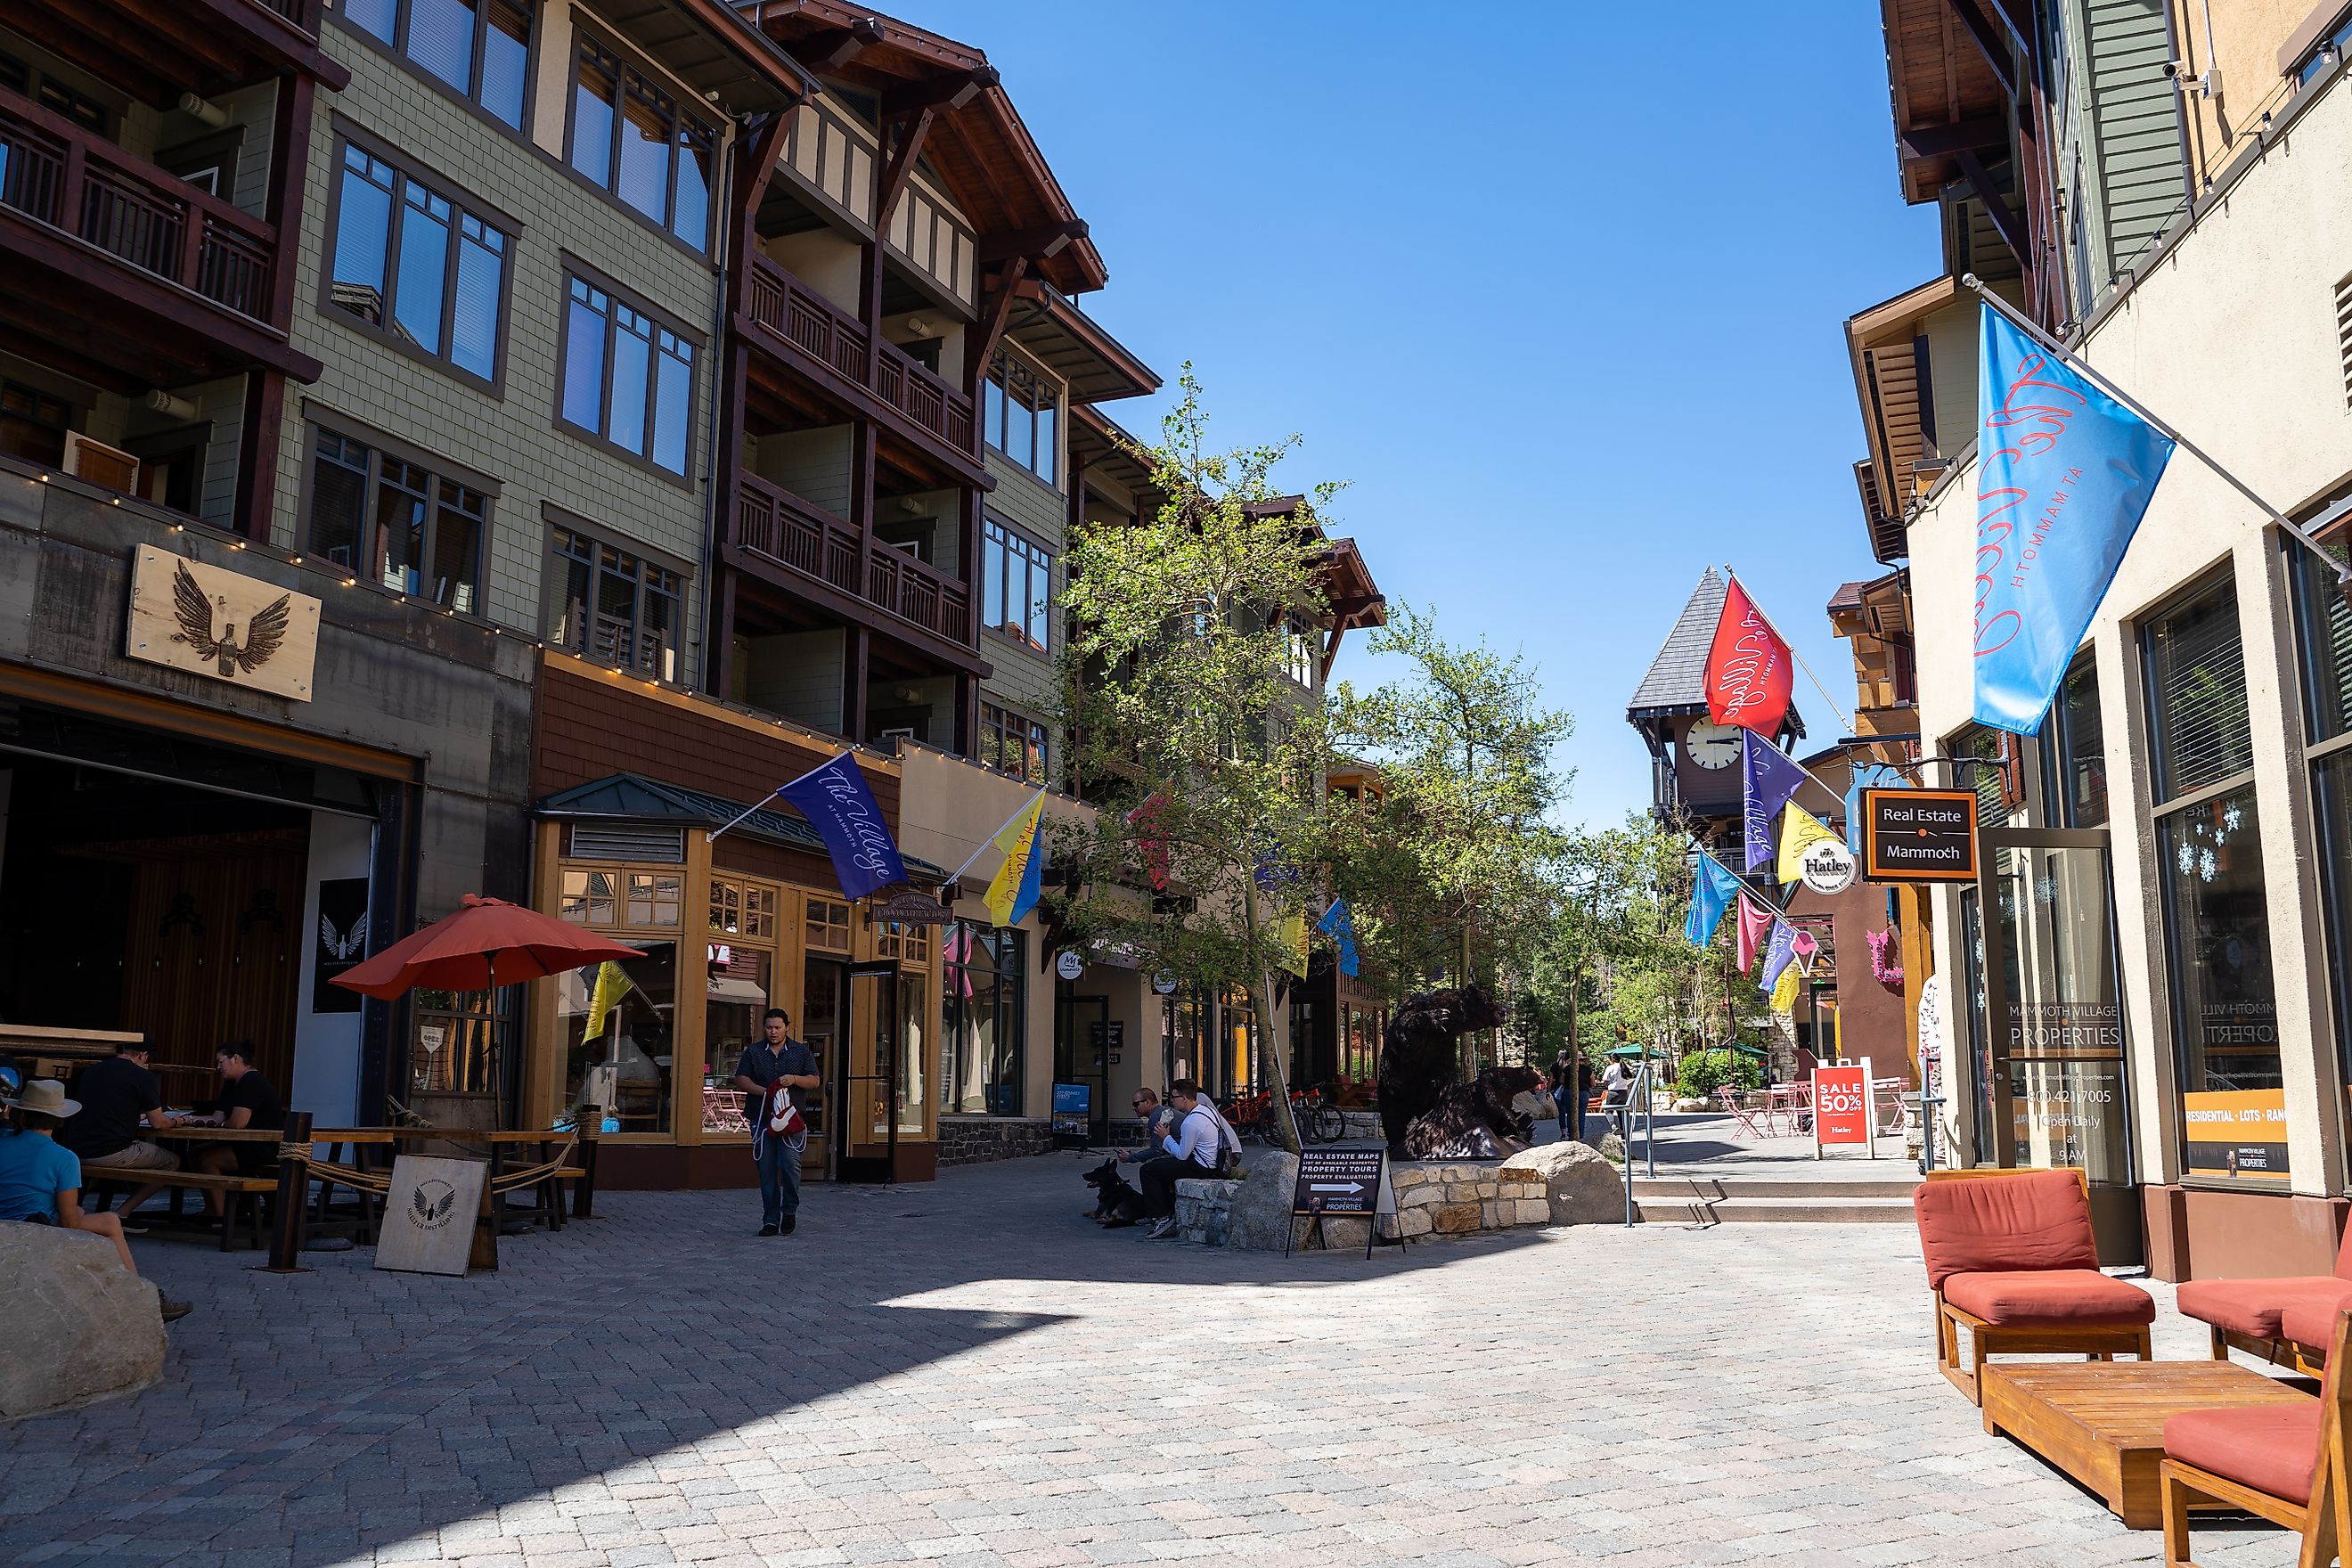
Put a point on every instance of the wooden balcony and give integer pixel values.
(124, 241)
(776, 525)
(806, 330)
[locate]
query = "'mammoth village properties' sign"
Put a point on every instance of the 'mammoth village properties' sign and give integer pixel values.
(1919, 835)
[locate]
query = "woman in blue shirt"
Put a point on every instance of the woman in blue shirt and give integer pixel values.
(40, 1180)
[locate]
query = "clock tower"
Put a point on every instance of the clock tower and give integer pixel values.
(1694, 762)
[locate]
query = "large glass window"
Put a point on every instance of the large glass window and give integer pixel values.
(1012, 742)
(613, 605)
(2074, 742)
(412, 263)
(631, 137)
(1021, 411)
(395, 523)
(1016, 586)
(480, 48)
(615, 1023)
(626, 378)
(982, 1018)
(2324, 628)
(2210, 867)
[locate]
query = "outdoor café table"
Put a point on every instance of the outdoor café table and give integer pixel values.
(1790, 1100)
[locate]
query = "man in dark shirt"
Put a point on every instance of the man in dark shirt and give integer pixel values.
(246, 1100)
(119, 1099)
(776, 1065)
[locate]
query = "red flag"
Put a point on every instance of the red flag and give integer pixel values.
(1749, 670)
(1149, 840)
(1755, 930)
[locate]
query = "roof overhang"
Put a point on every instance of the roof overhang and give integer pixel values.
(1882, 343)
(710, 48)
(632, 797)
(1356, 601)
(1948, 96)
(1053, 331)
(1889, 540)
(1102, 445)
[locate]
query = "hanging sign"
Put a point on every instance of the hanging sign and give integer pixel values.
(1828, 867)
(909, 906)
(1164, 982)
(1842, 1108)
(1919, 835)
(1069, 965)
(212, 622)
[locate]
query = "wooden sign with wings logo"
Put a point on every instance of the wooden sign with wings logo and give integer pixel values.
(221, 624)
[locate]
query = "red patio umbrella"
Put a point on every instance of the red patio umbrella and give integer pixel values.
(468, 950)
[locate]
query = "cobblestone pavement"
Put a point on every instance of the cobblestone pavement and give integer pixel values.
(969, 1373)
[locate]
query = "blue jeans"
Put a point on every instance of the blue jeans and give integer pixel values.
(780, 1181)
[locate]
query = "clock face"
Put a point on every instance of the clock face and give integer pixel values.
(1711, 745)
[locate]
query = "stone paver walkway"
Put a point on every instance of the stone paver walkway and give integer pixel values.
(968, 1373)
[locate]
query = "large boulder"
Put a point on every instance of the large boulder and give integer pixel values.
(1259, 1220)
(81, 1326)
(1581, 1185)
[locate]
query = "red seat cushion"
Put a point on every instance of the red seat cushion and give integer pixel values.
(2048, 1298)
(2270, 1447)
(2311, 1321)
(2003, 1225)
(2254, 1307)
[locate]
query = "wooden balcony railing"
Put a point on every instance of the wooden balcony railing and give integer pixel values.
(773, 521)
(796, 316)
(616, 641)
(57, 174)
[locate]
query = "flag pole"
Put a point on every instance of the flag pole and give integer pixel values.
(1995, 302)
(748, 813)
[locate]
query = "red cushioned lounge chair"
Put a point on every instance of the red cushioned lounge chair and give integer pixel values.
(2250, 1314)
(2284, 1463)
(2010, 1257)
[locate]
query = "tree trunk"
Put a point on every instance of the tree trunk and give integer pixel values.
(1285, 1128)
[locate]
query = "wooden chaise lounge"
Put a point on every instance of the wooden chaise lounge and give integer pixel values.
(2283, 1463)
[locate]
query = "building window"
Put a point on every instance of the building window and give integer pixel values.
(2073, 749)
(415, 266)
(1011, 744)
(1023, 416)
(478, 48)
(1016, 586)
(392, 522)
(982, 1018)
(627, 379)
(32, 425)
(907, 939)
(2323, 637)
(614, 605)
(630, 137)
(828, 926)
(1303, 656)
(2210, 867)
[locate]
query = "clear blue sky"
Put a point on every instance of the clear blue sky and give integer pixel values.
(1557, 287)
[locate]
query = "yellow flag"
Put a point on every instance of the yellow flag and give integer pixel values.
(1799, 831)
(611, 984)
(1014, 892)
(1784, 991)
(1292, 935)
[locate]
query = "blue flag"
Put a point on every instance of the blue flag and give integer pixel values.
(835, 799)
(1768, 776)
(2063, 474)
(1866, 776)
(1778, 954)
(1340, 927)
(1710, 896)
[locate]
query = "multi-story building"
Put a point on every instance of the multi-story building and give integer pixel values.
(2149, 978)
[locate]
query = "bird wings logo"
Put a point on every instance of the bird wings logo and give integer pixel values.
(344, 948)
(432, 1202)
(263, 635)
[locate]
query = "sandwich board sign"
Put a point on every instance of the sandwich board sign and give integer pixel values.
(428, 1216)
(1842, 1108)
(1339, 1180)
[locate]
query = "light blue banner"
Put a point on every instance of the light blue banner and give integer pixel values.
(1710, 896)
(2063, 474)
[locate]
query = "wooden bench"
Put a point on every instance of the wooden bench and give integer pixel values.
(237, 1192)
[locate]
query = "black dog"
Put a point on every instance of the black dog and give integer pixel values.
(1116, 1203)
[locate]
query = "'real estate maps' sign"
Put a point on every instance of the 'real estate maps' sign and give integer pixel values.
(1919, 835)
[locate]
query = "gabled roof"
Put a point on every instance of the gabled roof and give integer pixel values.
(632, 797)
(1677, 680)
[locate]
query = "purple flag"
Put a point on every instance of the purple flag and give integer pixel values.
(839, 806)
(1768, 776)
(1778, 954)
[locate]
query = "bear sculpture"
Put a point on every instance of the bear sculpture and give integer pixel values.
(1476, 1121)
(1417, 1055)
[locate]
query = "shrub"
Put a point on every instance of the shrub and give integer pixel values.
(1703, 1072)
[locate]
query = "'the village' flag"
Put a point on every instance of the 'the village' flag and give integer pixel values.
(839, 806)
(1013, 892)
(1340, 927)
(1710, 896)
(1799, 831)
(1768, 777)
(1749, 670)
(2064, 476)
(1755, 928)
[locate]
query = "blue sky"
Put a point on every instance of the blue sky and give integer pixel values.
(1557, 288)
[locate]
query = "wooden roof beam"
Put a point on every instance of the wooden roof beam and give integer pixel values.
(1984, 133)
(948, 93)
(1989, 43)
(1996, 205)
(1040, 243)
(835, 47)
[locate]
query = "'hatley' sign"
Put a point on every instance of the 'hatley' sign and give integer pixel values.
(1919, 835)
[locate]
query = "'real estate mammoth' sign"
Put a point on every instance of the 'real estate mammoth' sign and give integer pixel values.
(213, 622)
(1919, 835)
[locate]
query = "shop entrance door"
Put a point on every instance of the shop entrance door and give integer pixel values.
(1081, 1056)
(872, 1037)
(2054, 1081)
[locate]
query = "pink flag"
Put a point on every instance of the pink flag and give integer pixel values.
(1749, 673)
(1755, 928)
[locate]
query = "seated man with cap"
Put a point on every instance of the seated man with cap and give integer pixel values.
(40, 1180)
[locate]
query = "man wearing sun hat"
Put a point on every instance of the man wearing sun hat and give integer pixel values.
(40, 1180)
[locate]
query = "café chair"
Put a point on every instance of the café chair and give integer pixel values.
(2010, 1259)
(2283, 1463)
(2251, 1315)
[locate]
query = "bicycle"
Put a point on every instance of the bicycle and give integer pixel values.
(1318, 1116)
(1247, 1116)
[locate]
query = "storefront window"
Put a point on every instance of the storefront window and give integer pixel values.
(653, 897)
(2323, 634)
(983, 1019)
(2074, 742)
(914, 1006)
(828, 926)
(1182, 1025)
(2217, 932)
(588, 898)
(615, 1023)
(1238, 1023)
(738, 988)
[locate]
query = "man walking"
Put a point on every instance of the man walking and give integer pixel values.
(777, 1075)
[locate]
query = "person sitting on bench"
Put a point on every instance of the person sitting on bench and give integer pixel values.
(121, 1099)
(40, 1181)
(1194, 1149)
(246, 1100)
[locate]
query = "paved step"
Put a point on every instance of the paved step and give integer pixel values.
(1770, 1187)
(1827, 1210)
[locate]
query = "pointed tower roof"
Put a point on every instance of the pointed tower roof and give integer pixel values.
(1677, 677)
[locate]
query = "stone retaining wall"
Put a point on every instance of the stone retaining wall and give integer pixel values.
(1435, 1198)
(969, 1140)
(1203, 1208)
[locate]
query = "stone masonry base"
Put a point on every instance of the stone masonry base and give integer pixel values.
(1431, 1198)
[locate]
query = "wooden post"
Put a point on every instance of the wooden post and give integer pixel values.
(583, 1197)
(293, 1199)
(486, 1219)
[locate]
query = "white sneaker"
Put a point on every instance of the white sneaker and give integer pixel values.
(1161, 1230)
